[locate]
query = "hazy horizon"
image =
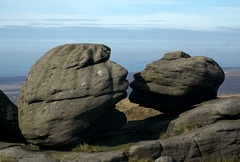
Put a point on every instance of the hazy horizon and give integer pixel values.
(138, 32)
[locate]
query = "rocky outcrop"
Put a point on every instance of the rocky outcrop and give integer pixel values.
(175, 82)
(208, 112)
(209, 131)
(219, 140)
(9, 120)
(70, 94)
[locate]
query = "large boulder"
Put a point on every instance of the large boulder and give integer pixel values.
(70, 94)
(175, 82)
(9, 120)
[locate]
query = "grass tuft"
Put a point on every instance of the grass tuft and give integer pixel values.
(192, 126)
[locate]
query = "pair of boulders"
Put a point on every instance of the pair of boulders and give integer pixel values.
(176, 82)
(70, 93)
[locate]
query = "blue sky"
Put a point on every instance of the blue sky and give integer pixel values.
(137, 31)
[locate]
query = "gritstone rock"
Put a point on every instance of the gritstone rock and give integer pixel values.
(9, 120)
(175, 82)
(209, 131)
(70, 94)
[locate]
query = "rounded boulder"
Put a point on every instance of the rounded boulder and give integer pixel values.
(176, 82)
(70, 94)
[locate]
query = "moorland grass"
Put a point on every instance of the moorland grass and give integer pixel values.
(99, 148)
(135, 112)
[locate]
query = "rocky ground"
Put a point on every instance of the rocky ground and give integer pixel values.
(209, 131)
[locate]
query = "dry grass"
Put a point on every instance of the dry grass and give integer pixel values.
(192, 126)
(98, 148)
(134, 112)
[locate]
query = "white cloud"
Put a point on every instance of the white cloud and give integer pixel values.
(91, 13)
(141, 2)
(228, 9)
(163, 20)
(111, 2)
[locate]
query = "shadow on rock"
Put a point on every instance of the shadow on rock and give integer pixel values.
(151, 128)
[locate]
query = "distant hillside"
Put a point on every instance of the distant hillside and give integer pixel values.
(11, 86)
(11, 80)
(231, 84)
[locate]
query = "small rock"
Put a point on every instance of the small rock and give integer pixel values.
(165, 159)
(146, 150)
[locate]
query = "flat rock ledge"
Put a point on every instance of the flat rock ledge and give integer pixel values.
(18, 153)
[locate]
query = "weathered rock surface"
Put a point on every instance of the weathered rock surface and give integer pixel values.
(20, 154)
(211, 130)
(219, 140)
(165, 159)
(70, 95)
(206, 113)
(9, 120)
(111, 156)
(175, 82)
